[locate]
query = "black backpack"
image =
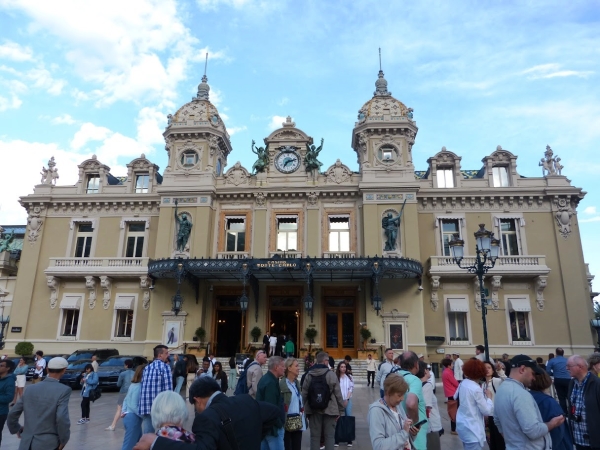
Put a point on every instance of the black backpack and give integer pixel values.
(394, 370)
(242, 386)
(318, 392)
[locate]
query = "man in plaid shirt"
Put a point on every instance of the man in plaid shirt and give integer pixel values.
(583, 404)
(156, 378)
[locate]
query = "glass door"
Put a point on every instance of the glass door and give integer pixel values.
(340, 338)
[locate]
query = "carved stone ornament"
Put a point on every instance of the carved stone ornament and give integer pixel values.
(35, 224)
(261, 199)
(563, 217)
(145, 283)
(106, 284)
(213, 144)
(338, 173)
(313, 197)
(435, 285)
(90, 284)
(477, 294)
(540, 284)
(496, 285)
(53, 284)
(550, 164)
(237, 175)
(49, 175)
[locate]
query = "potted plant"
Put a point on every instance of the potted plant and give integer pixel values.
(200, 334)
(256, 332)
(365, 334)
(24, 348)
(310, 334)
(435, 340)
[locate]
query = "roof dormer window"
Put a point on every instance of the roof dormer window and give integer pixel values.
(500, 176)
(142, 181)
(445, 178)
(92, 184)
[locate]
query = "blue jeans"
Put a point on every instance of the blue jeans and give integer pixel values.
(273, 442)
(179, 384)
(147, 424)
(133, 430)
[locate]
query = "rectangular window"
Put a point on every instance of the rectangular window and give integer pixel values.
(83, 243)
(93, 184)
(124, 323)
(500, 175)
(449, 227)
(509, 237)
(70, 322)
(519, 325)
(339, 234)
(141, 183)
(235, 234)
(287, 234)
(457, 326)
(445, 178)
(135, 240)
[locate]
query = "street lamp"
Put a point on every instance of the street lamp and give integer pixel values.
(595, 324)
(308, 299)
(487, 249)
(3, 323)
(177, 299)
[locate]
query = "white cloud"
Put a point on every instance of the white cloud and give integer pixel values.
(214, 4)
(63, 119)
(234, 130)
(150, 126)
(276, 122)
(590, 210)
(545, 71)
(89, 132)
(15, 52)
(591, 219)
(13, 102)
(42, 78)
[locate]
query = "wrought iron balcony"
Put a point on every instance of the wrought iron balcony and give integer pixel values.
(114, 267)
(339, 255)
(518, 266)
(290, 254)
(233, 255)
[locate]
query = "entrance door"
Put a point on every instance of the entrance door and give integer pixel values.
(284, 313)
(229, 332)
(285, 323)
(340, 321)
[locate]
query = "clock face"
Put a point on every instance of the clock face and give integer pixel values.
(287, 161)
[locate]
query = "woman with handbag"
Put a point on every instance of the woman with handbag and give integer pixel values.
(346, 386)
(292, 403)
(220, 376)
(20, 372)
(89, 383)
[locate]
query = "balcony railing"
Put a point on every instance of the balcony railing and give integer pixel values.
(292, 254)
(340, 255)
(233, 255)
(519, 265)
(97, 266)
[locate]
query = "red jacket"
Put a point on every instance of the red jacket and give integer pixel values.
(450, 383)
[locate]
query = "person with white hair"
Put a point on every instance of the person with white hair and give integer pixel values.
(168, 413)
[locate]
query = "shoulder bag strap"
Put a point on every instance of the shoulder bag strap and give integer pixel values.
(227, 425)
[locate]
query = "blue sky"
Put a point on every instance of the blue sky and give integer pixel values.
(78, 78)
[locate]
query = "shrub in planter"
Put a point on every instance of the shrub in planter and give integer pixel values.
(310, 334)
(200, 333)
(255, 333)
(365, 334)
(24, 348)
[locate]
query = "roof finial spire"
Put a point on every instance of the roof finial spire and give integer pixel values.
(204, 88)
(206, 63)
(380, 59)
(381, 83)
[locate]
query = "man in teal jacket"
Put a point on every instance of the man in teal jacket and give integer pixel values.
(268, 391)
(7, 389)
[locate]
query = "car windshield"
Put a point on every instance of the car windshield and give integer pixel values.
(78, 365)
(78, 356)
(114, 362)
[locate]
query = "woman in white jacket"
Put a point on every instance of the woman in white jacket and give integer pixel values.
(389, 428)
(473, 406)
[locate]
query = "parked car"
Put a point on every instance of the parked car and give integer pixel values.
(109, 370)
(100, 353)
(74, 373)
(31, 369)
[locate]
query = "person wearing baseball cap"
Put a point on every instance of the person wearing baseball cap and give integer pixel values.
(46, 408)
(517, 414)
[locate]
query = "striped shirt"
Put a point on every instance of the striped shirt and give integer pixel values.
(155, 379)
(579, 424)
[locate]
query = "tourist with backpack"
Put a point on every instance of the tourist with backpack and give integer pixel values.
(249, 378)
(323, 402)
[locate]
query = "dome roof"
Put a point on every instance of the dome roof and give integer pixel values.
(383, 106)
(199, 112)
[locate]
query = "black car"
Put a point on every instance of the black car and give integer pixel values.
(47, 358)
(100, 353)
(74, 373)
(109, 370)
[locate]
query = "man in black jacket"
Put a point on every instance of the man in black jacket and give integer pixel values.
(248, 421)
(583, 404)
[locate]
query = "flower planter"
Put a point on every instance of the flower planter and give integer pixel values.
(435, 341)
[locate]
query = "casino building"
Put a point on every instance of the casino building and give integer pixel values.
(288, 245)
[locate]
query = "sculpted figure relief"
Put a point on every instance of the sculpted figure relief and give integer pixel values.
(391, 225)
(6, 240)
(312, 153)
(49, 175)
(184, 230)
(263, 158)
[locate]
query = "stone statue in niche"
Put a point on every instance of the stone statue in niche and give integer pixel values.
(184, 230)
(312, 153)
(391, 225)
(263, 158)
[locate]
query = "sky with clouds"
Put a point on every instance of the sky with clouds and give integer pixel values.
(82, 78)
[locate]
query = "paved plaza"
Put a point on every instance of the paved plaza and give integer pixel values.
(92, 436)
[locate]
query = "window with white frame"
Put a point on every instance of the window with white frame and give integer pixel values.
(509, 237)
(519, 319)
(339, 233)
(445, 178)
(135, 239)
(500, 176)
(448, 228)
(83, 240)
(92, 184)
(458, 319)
(235, 230)
(124, 318)
(70, 307)
(287, 233)
(142, 182)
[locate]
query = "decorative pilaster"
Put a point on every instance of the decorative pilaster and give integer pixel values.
(496, 285)
(145, 283)
(106, 285)
(435, 285)
(540, 284)
(90, 284)
(477, 294)
(53, 284)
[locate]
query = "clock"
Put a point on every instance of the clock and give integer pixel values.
(288, 160)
